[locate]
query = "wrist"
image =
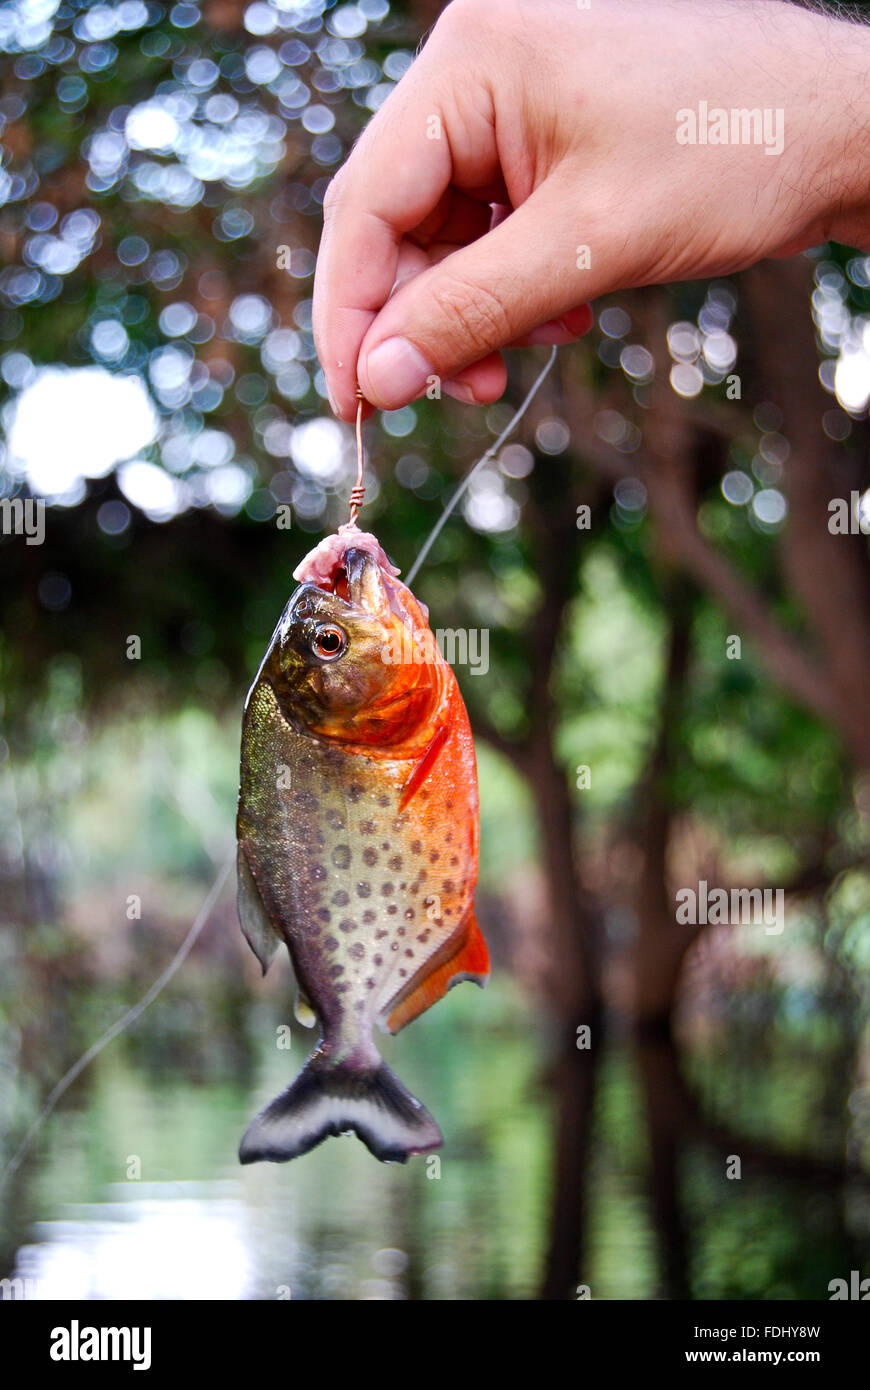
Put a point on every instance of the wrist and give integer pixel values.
(837, 134)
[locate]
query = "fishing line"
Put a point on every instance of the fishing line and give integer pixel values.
(124, 1021)
(358, 491)
(490, 454)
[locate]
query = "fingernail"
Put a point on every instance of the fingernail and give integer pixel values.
(396, 372)
(460, 391)
(579, 321)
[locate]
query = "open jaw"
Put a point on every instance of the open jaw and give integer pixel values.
(325, 564)
(373, 587)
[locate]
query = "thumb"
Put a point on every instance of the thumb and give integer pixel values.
(520, 275)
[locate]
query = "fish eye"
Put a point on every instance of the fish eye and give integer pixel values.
(329, 642)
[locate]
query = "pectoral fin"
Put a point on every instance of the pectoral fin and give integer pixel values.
(424, 766)
(261, 935)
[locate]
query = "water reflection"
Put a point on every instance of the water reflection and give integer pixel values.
(607, 1169)
(169, 1239)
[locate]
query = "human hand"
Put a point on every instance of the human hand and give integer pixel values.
(528, 130)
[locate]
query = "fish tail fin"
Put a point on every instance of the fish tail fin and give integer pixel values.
(335, 1099)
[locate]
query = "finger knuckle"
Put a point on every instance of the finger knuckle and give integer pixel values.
(476, 316)
(460, 16)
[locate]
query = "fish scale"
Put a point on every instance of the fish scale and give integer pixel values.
(365, 864)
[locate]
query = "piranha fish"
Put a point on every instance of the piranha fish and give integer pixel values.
(357, 842)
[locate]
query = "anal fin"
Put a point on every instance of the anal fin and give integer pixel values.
(470, 962)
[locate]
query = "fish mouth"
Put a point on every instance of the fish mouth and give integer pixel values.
(323, 566)
(354, 570)
(347, 576)
(339, 581)
(357, 579)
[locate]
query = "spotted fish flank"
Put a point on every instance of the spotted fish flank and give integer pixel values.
(358, 843)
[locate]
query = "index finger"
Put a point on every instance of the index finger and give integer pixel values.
(394, 178)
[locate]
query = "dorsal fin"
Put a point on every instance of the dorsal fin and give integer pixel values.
(471, 962)
(424, 766)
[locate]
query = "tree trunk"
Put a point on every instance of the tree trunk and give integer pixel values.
(662, 942)
(829, 574)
